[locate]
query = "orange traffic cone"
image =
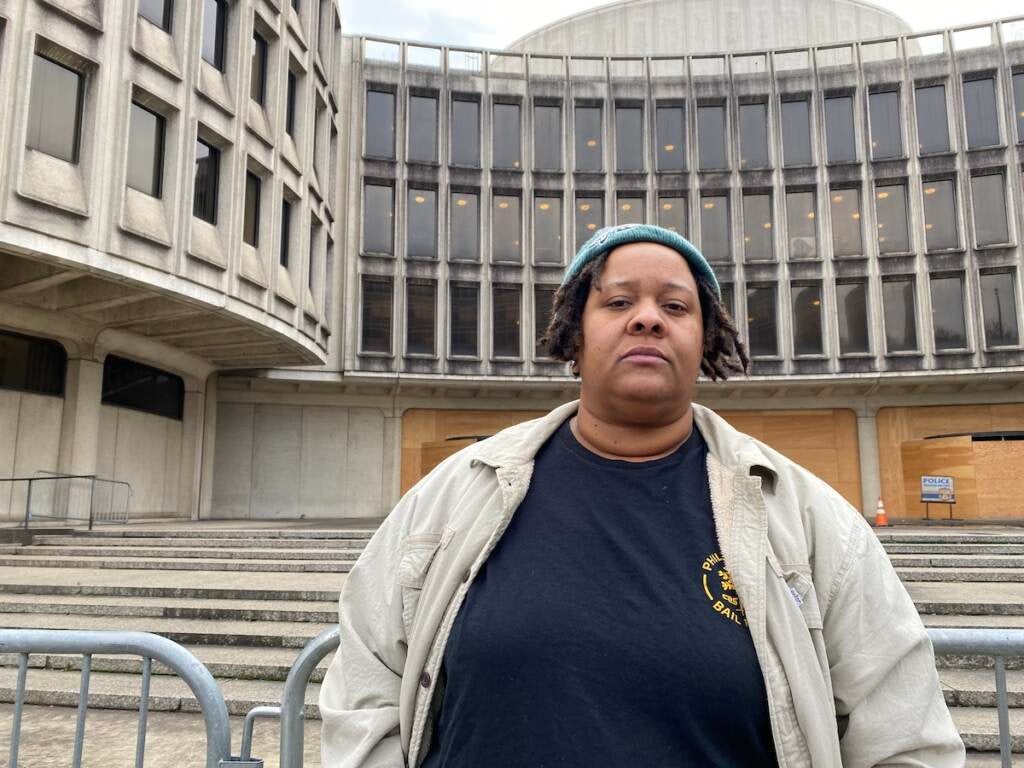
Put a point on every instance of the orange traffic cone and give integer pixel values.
(881, 519)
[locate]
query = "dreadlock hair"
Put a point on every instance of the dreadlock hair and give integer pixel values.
(724, 353)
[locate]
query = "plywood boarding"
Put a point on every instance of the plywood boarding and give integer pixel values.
(421, 426)
(898, 425)
(1000, 492)
(949, 456)
(823, 440)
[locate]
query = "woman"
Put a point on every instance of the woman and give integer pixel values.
(628, 580)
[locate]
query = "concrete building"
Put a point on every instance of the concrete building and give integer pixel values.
(257, 268)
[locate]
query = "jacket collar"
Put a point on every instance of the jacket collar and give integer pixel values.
(736, 451)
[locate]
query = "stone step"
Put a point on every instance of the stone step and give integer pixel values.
(977, 688)
(201, 593)
(173, 738)
(233, 533)
(354, 545)
(958, 561)
(937, 608)
(116, 690)
(256, 634)
(223, 662)
(974, 537)
(212, 551)
(979, 727)
(173, 608)
(974, 622)
(973, 575)
(188, 564)
(944, 549)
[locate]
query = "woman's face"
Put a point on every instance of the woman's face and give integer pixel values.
(643, 333)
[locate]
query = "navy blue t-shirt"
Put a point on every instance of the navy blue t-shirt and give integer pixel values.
(604, 629)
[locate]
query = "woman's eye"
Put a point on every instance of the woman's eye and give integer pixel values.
(674, 307)
(618, 303)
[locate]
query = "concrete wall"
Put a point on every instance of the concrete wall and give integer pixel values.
(144, 450)
(651, 27)
(290, 461)
(29, 442)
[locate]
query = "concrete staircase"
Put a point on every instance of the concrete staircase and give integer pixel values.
(245, 600)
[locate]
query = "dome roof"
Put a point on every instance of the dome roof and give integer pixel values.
(660, 27)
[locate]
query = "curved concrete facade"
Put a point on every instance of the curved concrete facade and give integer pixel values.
(672, 27)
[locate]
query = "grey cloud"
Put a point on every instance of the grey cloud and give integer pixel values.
(413, 21)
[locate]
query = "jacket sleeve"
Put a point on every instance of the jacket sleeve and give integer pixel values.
(884, 681)
(359, 696)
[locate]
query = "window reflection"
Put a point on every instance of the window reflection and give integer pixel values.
(846, 215)
(378, 219)
(423, 129)
(506, 144)
(506, 229)
(421, 223)
(380, 124)
(753, 135)
(465, 133)
(671, 136)
(762, 333)
(1018, 104)
(55, 109)
(899, 309)
(839, 131)
(145, 151)
(999, 307)
(801, 220)
(672, 214)
(547, 230)
(376, 316)
(981, 113)
(711, 137)
(940, 227)
(465, 226)
(716, 243)
(989, 204)
(543, 303)
(886, 131)
(588, 139)
(589, 218)
(757, 227)
(506, 303)
(465, 310)
(806, 319)
(547, 137)
(852, 310)
(948, 322)
(796, 132)
(629, 139)
(629, 210)
(932, 123)
(421, 307)
(891, 213)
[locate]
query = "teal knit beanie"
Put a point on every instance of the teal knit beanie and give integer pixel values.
(604, 240)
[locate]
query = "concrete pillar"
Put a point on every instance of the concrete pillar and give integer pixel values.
(391, 474)
(79, 436)
(203, 509)
(870, 477)
(191, 453)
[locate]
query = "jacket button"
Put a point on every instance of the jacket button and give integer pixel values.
(465, 575)
(425, 679)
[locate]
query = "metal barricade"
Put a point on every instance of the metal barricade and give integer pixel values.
(149, 646)
(997, 643)
(72, 499)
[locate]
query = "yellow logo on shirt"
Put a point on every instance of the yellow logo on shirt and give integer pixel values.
(721, 591)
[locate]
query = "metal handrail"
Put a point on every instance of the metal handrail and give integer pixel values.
(149, 646)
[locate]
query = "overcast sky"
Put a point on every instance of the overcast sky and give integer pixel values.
(495, 25)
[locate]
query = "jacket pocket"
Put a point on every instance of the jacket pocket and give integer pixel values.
(797, 577)
(418, 553)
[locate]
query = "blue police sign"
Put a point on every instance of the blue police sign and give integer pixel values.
(937, 489)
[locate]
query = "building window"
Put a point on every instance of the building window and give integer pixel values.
(940, 227)
(588, 139)
(380, 124)
(754, 135)
(422, 129)
(258, 76)
(506, 302)
(852, 310)
(891, 212)
(547, 230)
(711, 137)
(377, 307)
(716, 242)
(999, 308)
(547, 137)
(466, 132)
(251, 219)
(630, 210)
(421, 308)
(757, 227)
(207, 181)
(729, 298)
(839, 130)
(146, 151)
(506, 229)
(465, 227)
(762, 331)
(899, 309)
(886, 131)
(988, 198)
(32, 365)
(465, 311)
(55, 109)
(286, 232)
(807, 319)
(629, 139)
(215, 23)
(158, 12)
(932, 122)
(507, 146)
(291, 106)
(801, 221)
(846, 232)
(314, 239)
(948, 312)
(589, 218)
(421, 220)
(129, 384)
(1018, 100)
(981, 113)
(378, 219)
(671, 129)
(672, 214)
(543, 305)
(796, 132)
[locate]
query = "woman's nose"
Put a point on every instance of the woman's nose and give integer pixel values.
(646, 319)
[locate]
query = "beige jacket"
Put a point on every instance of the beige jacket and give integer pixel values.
(847, 664)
